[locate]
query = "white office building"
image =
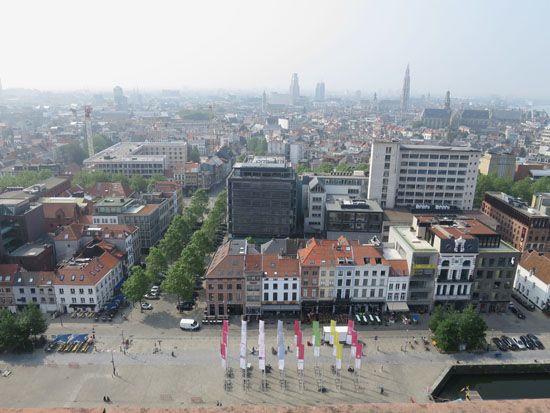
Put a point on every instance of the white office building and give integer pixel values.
(533, 278)
(404, 175)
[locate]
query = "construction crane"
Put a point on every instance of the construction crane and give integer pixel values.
(88, 125)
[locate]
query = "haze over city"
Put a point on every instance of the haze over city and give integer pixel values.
(472, 48)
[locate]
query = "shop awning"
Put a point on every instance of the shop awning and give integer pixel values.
(399, 306)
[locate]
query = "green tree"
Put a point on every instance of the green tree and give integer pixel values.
(138, 183)
(180, 281)
(437, 316)
(193, 259)
(24, 179)
(471, 328)
(72, 152)
(11, 336)
(101, 142)
(136, 286)
(156, 264)
(344, 168)
(523, 189)
(193, 154)
(325, 167)
(302, 169)
(447, 333)
(32, 321)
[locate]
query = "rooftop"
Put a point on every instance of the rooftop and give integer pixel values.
(516, 203)
(409, 236)
(347, 204)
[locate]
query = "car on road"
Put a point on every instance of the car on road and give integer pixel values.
(536, 341)
(155, 289)
(151, 296)
(189, 324)
(524, 302)
(500, 344)
(146, 306)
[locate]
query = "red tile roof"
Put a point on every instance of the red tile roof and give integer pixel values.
(275, 266)
(86, 273)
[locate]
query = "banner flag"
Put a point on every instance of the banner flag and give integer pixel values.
(317, 351)
(339, 351)
(280, 345)
(299, 338)
(350, 330)
(261, 346)
(296, 329)
(358, 355)
(338, 364)
(301, 352)
(243, 345)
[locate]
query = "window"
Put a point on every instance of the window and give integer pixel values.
(229, 286)
(90, 291)
(275, 296)
(220, 297)
(266, 297)
(380, 292)
(73, 300)
(73, 291)
(402, 296)
(61, 291)
(239, 287)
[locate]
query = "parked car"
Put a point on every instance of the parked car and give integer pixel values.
(519, 343)
(155, 289)
(500, 344)
(520, 315)
(528, 342)
(535, 339)
(185, 306)
(151, 296)
(189, 324)
(524, 302)
(146, 306)
(509, 343)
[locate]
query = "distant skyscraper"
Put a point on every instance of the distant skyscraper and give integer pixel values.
(406, 93)
(294, 88)
(264, 101)
(121, 101)
(448, 100)
(320, 91)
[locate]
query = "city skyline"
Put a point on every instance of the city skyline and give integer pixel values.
(349, 46)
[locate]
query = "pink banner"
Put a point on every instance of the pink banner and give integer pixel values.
(350, 326)
(223, 350)
(354, 338)
(296, 327)
(299, 338)
(225, 326)
(301, 352)
(359, 351)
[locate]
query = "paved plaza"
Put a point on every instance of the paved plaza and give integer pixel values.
(148, 375)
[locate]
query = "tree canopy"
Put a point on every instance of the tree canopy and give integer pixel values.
(256, 145)
(193, 154)
(24, 179)
(452, 328)
(137, 285)
(18, 331)
(523, 189)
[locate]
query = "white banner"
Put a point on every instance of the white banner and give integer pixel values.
(352, 351)
(300, 364)
(338, 364)
(261, 346)
(316, 351)
(357, 364)
(348, 339)
(282, 364)
(243, 345)
(224, 364)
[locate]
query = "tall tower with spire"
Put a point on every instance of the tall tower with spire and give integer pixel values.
(294, 88)
(448, 100)
(406, 92)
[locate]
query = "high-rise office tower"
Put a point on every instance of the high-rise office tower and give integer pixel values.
(406, 93)
(448, 100)
(121, 101)
(320, 92)
(294, 87)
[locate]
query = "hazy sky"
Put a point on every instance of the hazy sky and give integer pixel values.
(472, 47)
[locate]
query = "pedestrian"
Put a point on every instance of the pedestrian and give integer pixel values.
(381, 389)
(173, 355)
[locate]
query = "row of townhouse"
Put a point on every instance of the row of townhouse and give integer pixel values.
(77, 284)
(321, 276)
(438, 261)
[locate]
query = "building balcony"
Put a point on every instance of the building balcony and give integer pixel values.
(462, 297)
(423, 267)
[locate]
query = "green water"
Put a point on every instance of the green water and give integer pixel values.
(499, 386)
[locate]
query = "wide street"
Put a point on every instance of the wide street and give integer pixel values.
(148, 375)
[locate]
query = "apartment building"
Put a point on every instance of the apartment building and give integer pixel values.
(8, 272)
(404, 175)
(261, 198)
(138, 158)
(458, 250)
(532, 279)
(225, 278)
(280, 284)
(35, 288)
(502, 165)
(152, 218)
(87, 283)
(523, 227)
(317, 188)
(21, 222)
(73, 238)
(422, 261)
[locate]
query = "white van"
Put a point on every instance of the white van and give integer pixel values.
(189, 324)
